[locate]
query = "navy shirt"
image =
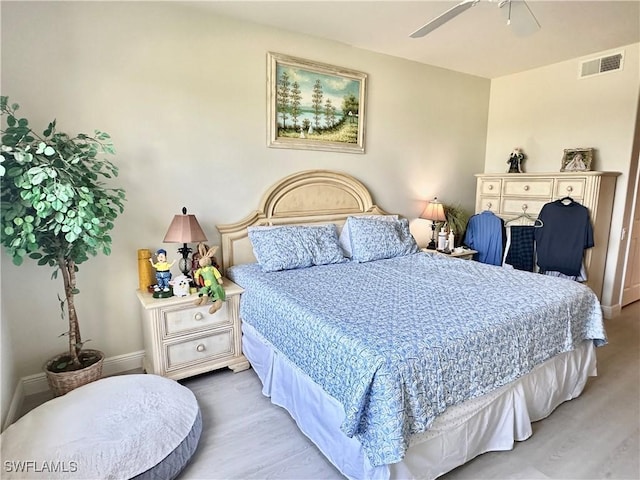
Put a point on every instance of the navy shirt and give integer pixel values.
(563, 237)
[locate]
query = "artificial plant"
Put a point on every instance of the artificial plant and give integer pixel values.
(457, 219)
(55, 207)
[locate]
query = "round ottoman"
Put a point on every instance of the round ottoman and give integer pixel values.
(122, 427)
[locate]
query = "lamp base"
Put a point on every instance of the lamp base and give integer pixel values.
(432, 245)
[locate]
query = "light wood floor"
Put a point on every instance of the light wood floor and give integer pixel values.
(596, 436)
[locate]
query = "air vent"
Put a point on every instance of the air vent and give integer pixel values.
(598, 66)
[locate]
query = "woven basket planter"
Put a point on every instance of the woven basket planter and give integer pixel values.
(63, 382)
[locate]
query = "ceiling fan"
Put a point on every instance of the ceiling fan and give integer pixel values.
(525, 22)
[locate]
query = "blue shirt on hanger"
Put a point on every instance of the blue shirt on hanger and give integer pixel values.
(562, 240)
(485, 233)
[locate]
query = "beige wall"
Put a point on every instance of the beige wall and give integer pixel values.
(183, 94)
(549, 109)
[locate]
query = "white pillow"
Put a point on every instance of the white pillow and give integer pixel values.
(345, 235)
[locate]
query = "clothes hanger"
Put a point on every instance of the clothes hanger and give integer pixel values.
(566, 200)
(536, 221)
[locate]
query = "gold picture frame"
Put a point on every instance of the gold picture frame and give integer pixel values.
(315, 106)
(577, 160)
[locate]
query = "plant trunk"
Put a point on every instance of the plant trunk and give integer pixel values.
(68, 268)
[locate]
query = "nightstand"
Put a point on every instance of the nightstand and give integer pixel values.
(466, 254)
(182, 339)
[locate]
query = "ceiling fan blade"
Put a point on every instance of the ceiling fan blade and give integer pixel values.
(444, 18)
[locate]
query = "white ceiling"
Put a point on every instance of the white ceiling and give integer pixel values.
(477, 42)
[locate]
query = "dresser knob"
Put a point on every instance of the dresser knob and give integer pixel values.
(490, 187)
(198, 316)
(524, 207)
(526, 188)
(569, 189)
(200, 348)
(489, 204)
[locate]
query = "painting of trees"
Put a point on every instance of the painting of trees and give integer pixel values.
(315, 106)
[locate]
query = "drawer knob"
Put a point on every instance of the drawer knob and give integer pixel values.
(198, 316)
(489, 204)
(526, 188)
(200, 348)
(490, 187)
(524, 207)
(569, 189)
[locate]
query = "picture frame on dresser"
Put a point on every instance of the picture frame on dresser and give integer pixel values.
(314, 106)
(577, 160)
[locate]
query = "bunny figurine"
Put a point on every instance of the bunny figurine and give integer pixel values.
(210, 279)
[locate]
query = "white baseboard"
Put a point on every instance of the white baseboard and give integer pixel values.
(611, 311)
(15, 407)
(37, 383)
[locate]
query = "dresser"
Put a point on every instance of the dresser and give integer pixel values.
(182, 339)
(511, 195)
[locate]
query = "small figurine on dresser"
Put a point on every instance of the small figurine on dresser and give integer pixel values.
(210, 279)
(515, 160)
(163, 274)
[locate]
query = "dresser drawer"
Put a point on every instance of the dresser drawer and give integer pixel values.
(516, 206)
(488, 203)
(202, 349)
(542, 187)
(489, 186)
(570, 187)
(194, 318)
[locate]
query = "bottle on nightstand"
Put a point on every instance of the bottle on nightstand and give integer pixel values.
(442, 239)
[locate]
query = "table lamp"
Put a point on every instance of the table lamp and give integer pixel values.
(184, 229)
(434, 211)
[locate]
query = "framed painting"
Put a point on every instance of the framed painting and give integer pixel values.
(577, 160)
(314, 106)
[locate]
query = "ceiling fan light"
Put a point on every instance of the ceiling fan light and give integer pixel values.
(519, 17)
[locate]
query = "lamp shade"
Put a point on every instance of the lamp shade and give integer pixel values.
(184, 229)
(434, 211)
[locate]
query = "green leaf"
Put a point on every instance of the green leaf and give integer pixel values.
(38, 178)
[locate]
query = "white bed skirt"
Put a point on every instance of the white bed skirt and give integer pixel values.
(489, 423)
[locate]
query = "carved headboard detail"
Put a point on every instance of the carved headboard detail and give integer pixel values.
(304, 198)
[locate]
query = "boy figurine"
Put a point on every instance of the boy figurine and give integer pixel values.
(163, 270)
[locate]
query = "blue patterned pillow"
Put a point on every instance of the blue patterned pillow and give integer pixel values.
(373, 239)
(345, 235)
(287, 247)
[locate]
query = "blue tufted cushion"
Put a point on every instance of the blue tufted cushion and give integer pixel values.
(374, 239)
(292, 246)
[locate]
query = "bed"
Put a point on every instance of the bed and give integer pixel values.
(398, 363)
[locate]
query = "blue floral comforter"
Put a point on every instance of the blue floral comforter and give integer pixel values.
(397, 341)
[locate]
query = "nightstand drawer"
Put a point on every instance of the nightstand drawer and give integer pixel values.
(569, 187)
(182, 320)
(528, 187)
(203, 349)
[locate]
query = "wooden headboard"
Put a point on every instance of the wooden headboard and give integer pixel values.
(304, 198)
